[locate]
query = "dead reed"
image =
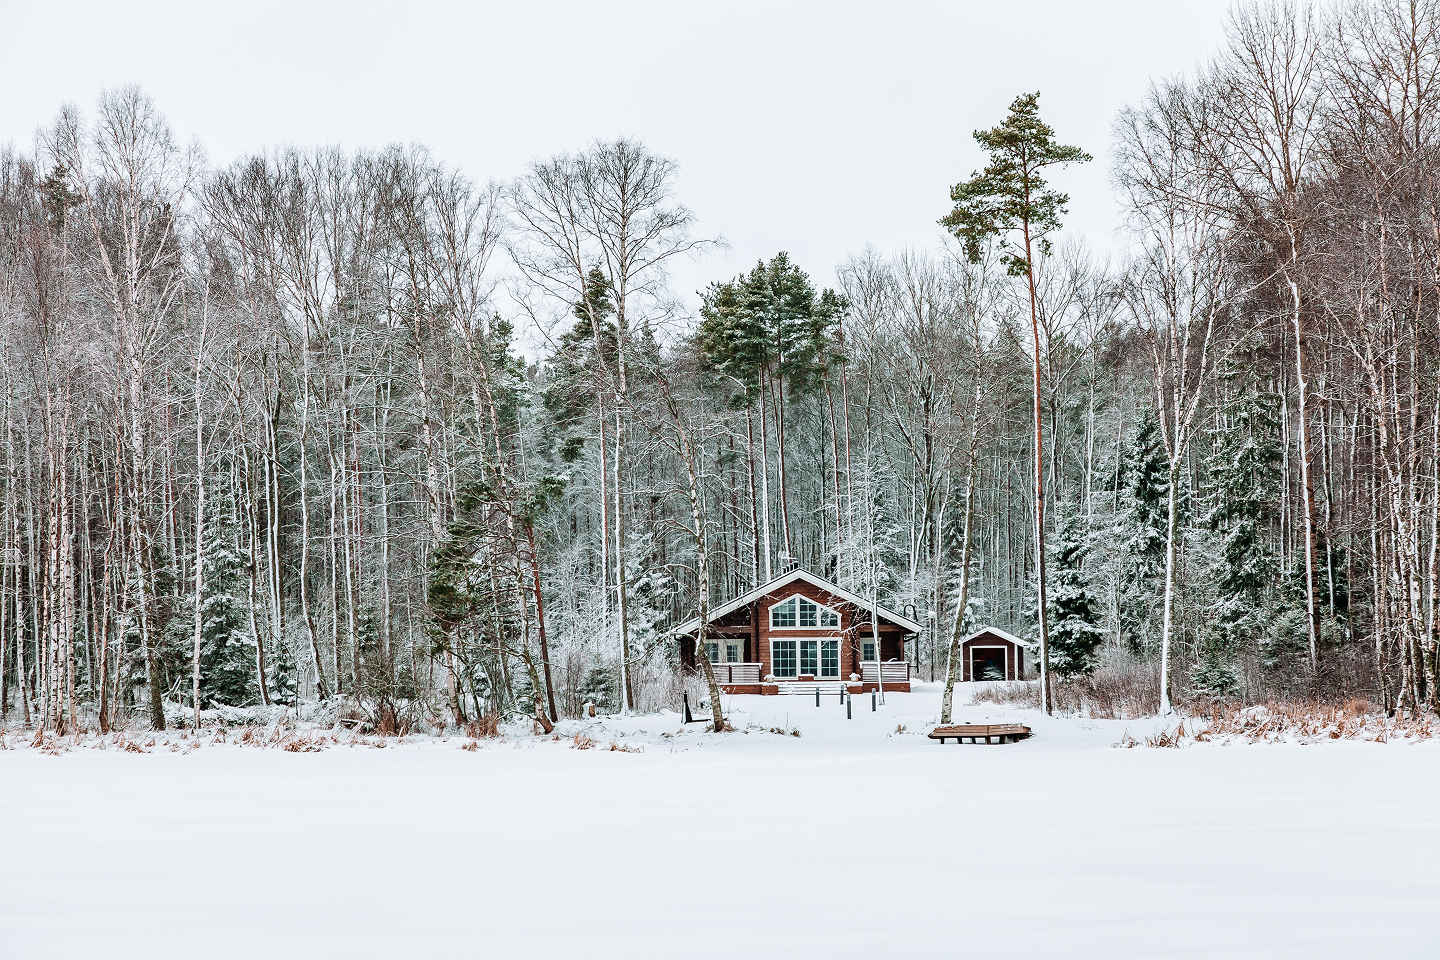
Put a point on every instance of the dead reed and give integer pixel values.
(1290, 721)
(1117, 691)
(484, 727)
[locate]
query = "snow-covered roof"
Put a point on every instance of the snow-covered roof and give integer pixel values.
(905, 623)
(1002, 634)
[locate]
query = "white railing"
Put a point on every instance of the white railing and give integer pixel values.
(807, 688)
(736, 672)
(893, 671)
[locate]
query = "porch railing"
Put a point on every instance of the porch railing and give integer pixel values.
(736, 672)
(892, 671)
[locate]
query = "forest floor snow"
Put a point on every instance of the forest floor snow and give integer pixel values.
(859, 837)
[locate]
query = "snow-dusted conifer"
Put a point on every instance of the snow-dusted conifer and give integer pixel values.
(1075, 632)
(227, 650)
(1141, 532)
(1244, 478)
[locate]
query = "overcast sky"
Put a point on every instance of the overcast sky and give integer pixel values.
(816, 128)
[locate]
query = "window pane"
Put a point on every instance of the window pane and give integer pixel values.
(783, 614)
(828, 618)
(732, 653)
(782, 656)
(807, 613)
(830, 658)
(808, 660)
(712, 652)
(869, 648)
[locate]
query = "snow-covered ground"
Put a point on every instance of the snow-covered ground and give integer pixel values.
(850, 840)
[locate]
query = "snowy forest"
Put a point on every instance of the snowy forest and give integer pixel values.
(361, 432)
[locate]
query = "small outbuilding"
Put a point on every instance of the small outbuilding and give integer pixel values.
(992, 654)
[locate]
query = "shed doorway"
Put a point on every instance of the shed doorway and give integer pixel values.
(988, 663)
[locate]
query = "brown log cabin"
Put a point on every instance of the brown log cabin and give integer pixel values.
(799, 633)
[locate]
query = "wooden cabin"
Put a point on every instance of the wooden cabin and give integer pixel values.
(799, 633)
(992, 654)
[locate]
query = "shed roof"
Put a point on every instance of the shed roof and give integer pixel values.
(1002, 634)
(904, 623)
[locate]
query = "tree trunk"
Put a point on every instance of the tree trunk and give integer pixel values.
(1042, 613)
(627, 688)
(540, 618)
(765, 488)
(1171, 536)
(199, 559)
(1306, 481)
(952, 663)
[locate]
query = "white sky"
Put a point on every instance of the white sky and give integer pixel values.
(816, 128)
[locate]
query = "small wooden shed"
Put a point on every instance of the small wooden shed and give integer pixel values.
(992, 654)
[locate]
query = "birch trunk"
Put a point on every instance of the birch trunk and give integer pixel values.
(952, 663)
(1166, 630)
(199, 559)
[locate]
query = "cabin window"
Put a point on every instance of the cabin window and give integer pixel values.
(732, 653)
(868, 650)
(809, 657)
(782, 658)
(801, 612)
(712, 652)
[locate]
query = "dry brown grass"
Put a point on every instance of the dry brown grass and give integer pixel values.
(1280, 721)
(1313, 722)
(1122, 691)
(583, 742)
(484, 727)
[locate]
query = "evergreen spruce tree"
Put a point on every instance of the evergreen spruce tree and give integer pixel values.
(574, 365)
(1144, 487)
(599, 687)
(1244, 478)
(227, 650)
(1075, 632)
(281, 675)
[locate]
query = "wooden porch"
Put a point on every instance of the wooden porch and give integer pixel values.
(743, 678)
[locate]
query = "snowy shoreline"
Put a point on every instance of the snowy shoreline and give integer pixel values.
(796, 717)
(529, 846)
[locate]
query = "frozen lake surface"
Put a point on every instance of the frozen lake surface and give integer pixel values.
(851, 840)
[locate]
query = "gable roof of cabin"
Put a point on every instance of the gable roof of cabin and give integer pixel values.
(730, 606)
(1003, 635)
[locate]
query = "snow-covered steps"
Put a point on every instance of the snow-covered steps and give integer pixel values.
(832, 688)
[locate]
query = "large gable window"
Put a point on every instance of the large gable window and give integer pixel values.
(802, 612)
(783, 614)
